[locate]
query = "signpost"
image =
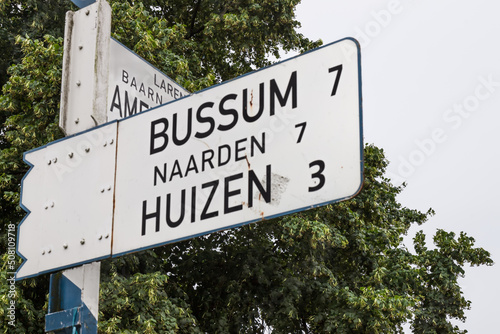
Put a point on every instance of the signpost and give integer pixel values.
(74, 293)
(275, 141)
(146, 164)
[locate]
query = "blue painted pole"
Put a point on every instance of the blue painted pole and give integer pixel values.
(74, 300)
(83, 3)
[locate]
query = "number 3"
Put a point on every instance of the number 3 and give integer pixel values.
(318, 175)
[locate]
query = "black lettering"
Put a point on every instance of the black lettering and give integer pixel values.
(151, 93)
(201, 119)
(124, 76)
(275, 92)
(155, 215)
(227, 194)
(228, 156)
(163, 176)
(130, 111)
(302, 127)
(176, 170)
(224, 111)
(169, 90)
(133, 83)
(155, 135)
(156, 84)
(252, 179)
(170, 222)
(191, 166)
(318, 175)
(239, 149)
(143, 106)
(254, 143)
(193, 204)
(176, 140)
(204, 213)
(247, 117)
(116, 103)
(337, 69)
(206, 159)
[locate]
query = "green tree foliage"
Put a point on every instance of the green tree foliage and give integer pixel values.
(342, 268)
(140, 303)
(33, 18)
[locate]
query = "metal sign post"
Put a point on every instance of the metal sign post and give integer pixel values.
(74, 293)
(275, 141)
(74, 300)
(83, 3)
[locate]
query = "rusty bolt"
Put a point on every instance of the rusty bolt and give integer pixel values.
(77, 121)
(49, 162)
(87, 12)
(82, 242)
(87, 149)
(70, 155)
(65, 245)
(78, 83)
(100, 237)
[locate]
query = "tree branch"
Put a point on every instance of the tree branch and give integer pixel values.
(193, 20)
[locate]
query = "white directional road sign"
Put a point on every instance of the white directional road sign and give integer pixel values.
(135, 85)
(275, 141)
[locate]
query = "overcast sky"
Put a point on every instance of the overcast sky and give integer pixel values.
(431, 92)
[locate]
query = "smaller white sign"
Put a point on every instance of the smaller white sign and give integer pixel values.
(135, 85)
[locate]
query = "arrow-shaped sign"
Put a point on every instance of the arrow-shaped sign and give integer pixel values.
(276, 141)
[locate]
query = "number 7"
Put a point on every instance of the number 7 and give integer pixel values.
(337, 69)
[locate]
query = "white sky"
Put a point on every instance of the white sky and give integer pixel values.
(431, 97)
